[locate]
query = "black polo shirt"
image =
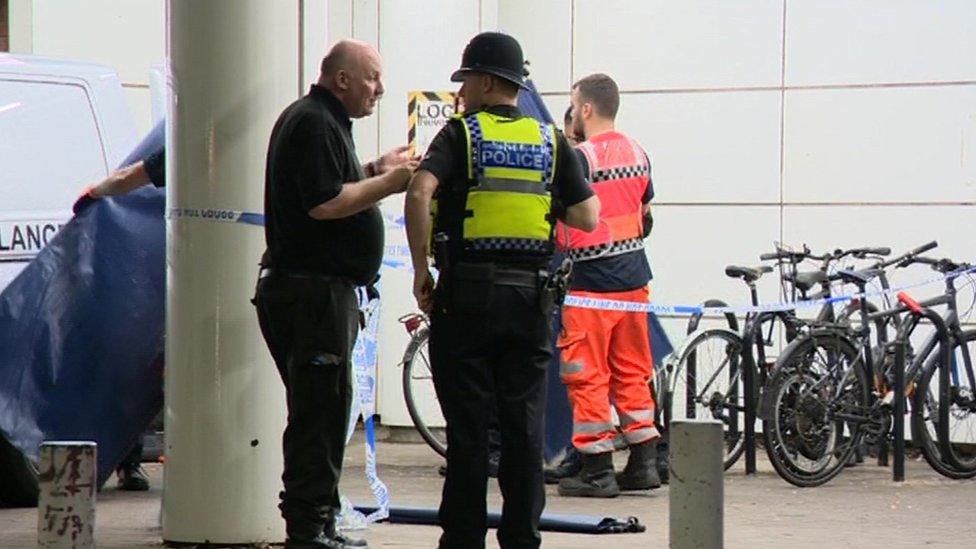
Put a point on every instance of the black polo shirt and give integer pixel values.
(310, 156)
(447, 158)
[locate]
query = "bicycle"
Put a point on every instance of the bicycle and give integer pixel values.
(418, 383)
(711, 363)
(830, 389)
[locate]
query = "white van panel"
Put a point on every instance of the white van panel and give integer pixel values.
(49, 145)
(63, 124)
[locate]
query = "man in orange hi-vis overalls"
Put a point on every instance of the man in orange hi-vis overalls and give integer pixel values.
(606, 355)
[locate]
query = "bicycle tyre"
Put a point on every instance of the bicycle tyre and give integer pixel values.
(730, 413)
(414, 358)
(925, 418)
(780, 432)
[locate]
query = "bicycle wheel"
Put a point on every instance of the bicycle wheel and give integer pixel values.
(707, 383)
(962, 413)
(419, 394)
(817, 377)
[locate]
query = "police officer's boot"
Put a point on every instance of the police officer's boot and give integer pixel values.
(569, 466)
(663, 460)
(641, 470)
(595, 480)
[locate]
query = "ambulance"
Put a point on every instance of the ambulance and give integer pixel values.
(63, 124)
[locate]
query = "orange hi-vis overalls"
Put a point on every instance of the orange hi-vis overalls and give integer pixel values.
(606, 355)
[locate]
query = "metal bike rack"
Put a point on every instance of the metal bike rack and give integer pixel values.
(901, 353)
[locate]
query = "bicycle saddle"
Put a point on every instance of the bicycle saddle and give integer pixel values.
(805, 281)
(748, 274)
(858, 277)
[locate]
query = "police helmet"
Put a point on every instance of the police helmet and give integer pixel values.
(493, 53)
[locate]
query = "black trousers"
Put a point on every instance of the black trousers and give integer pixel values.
(310, 326)
(498, 355)
(133, 459)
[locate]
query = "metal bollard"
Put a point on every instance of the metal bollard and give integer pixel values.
(66, 505)
(696, 489)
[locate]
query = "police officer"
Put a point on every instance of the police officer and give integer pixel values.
(495, 182)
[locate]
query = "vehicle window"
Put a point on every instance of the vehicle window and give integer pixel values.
(49, 146)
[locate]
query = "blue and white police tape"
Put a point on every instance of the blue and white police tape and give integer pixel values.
(398, 257)
(364, 358)
(645, 307)
(217, 214)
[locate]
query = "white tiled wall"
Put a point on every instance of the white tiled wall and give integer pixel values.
(128, 36)
(659, 44)
(709, 147)
(901, 144)
(545, 30)
(879, 41)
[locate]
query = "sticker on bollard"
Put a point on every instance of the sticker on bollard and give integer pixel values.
(696, 492)
(66, 508)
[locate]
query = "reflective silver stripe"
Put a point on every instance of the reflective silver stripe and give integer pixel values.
(591, 428)
(628, 417)
(641, 435)
(570, 368)
(598, 447)
(606, 250)
(511, 185)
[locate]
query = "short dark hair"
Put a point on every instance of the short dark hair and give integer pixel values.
(601, 91)
(568, 117)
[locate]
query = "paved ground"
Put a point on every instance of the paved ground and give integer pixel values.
(862, 508)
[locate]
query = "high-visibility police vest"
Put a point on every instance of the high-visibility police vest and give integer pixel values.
(510, 165)
(619, 174)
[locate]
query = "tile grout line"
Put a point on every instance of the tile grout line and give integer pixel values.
(782, 129)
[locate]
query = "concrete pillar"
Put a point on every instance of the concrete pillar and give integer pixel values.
(696, 490)
(234, 66)
(66, 503)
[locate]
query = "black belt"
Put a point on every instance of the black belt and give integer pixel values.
(525, 279)
(267, 272)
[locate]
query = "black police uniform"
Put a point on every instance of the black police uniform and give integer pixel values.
(306, 300)
(489, 344)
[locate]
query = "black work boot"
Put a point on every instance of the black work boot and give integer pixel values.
(318, 542)
(331, 532)
(132, 479)
(569, 466)
(338, 541)
(595, 480)
(640, 472)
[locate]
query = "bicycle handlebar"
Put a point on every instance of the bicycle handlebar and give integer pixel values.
(908, 257)
(797, 256)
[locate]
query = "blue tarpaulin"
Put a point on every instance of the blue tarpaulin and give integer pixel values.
(81, 331)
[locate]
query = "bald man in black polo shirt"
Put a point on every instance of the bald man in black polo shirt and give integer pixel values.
(324, 234)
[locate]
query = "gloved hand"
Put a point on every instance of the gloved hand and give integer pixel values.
(648, 224)
(86, 199)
